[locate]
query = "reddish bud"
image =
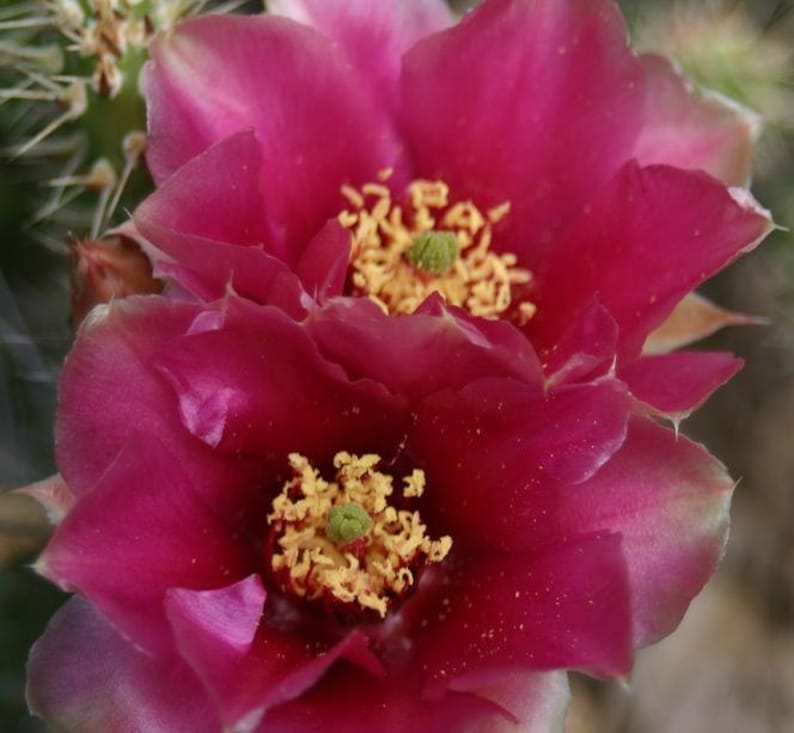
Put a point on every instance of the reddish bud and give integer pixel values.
(107, 268)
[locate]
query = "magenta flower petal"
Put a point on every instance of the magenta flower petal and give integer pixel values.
(322, 267)
(249, 667)
(537, 103)
(669, 499)
(112, 345)
(497, 451)
(637, 259)
(422, 353)
(168, 538)
(249, 272)
(708, 131)
(532, 701)
(217, 195)
(493, 333)
(84, 677)
(584, 350)
(217, 75)
(268, 391)
(208, 222)
(566, 606)
(373, 35)
(675, 385)
(351, 701)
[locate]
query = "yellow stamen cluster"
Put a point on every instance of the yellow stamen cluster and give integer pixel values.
(372, 570)
(383, 234)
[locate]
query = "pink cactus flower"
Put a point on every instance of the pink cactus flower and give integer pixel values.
(418, 530)
(395, 459)
(584, 190)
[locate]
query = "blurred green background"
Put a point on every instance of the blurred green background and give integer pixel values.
(730, 667)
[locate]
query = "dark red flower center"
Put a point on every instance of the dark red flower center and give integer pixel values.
(343, 545)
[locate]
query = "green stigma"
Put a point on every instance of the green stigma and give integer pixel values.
(347, 522)
(434, 252)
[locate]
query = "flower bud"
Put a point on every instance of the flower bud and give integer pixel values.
(102, 269)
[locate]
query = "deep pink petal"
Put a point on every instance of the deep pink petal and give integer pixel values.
(669, 499)
(247, 665)
(208, 270)
(257, 384)
(694, 130)
(637, 259)
(493, 334)
(351, 701)
(208, 227)
(536, 702)
(112, 393)
(142, 530)
(205, 227)
(566, 606)
(84, 677)
(215, 76)
(675, 385)
(373, 35)
(586, 348)
(108, 392)
(532, 102)
(496, 452)
(323, 265)
(435, 348)
(217, 195)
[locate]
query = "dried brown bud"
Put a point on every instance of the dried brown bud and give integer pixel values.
(107, 268)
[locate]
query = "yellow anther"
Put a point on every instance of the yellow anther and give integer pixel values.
(388, 241)
(497, 213)
(353, 196)
(414, 484)
(344, 540)
(375, 189)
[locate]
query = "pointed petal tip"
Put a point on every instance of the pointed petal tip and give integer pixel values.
(41, 567)
(52, 494)
(744, 198)
(695, 318)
